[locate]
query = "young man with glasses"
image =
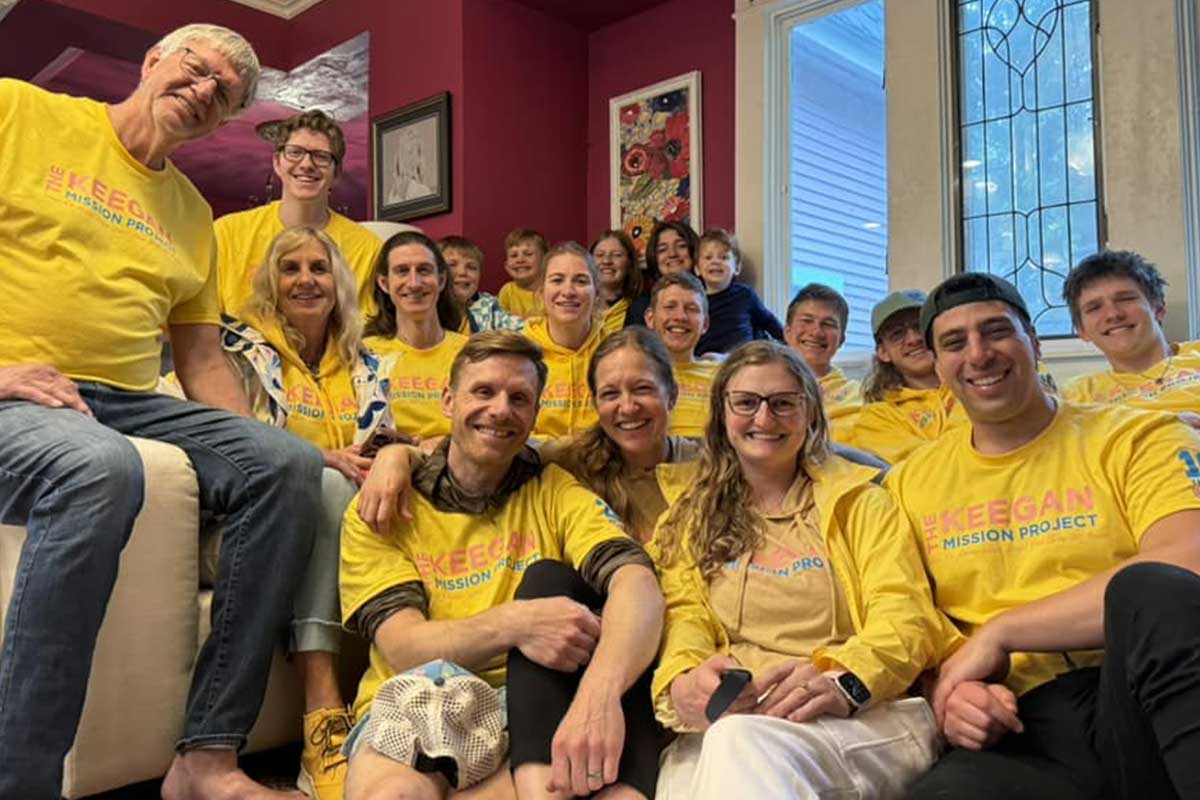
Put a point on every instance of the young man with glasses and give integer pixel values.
(103, 244)
(310, 152)
(1063, 542)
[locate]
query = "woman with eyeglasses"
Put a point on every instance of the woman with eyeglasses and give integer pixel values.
(905, 402)
(798, 613)
(309, 153)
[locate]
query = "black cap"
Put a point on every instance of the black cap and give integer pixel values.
(968, 287)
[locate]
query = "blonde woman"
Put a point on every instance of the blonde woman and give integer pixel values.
(789, 562)
(298, 349)
(568, 335)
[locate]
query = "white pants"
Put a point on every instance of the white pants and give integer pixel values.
(875, 754)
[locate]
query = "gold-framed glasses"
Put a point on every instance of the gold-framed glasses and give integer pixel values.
(198, 71)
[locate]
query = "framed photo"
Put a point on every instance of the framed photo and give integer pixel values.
(410, 152)
(654, 155)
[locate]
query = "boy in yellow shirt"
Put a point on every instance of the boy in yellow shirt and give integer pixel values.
(1118, 302)
(1057, 537)
(310, 150)
(678, 313)
(816, 329)
(524, 250)
(467, 579)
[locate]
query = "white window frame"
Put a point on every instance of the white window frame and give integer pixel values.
(1150, 172)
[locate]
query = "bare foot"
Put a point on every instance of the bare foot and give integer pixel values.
(214, 775)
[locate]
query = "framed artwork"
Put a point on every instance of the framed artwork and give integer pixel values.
(410, 151)
(654, 155)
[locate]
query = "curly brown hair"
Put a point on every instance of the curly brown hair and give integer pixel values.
(716, 513)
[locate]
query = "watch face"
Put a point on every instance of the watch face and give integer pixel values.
(856, 689)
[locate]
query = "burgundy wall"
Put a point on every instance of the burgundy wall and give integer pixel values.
(416, 51)
(660, 43)
(525, 108)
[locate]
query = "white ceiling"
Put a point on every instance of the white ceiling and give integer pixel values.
(280, 8)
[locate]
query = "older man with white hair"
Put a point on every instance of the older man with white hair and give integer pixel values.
(103, 244)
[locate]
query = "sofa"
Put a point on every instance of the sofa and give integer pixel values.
(157, 618)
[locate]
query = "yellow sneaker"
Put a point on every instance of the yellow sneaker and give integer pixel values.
(322, 765)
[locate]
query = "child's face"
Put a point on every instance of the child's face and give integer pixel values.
(464, 274)
(521, 263)
(717, 266)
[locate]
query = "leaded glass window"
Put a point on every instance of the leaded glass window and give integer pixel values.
(1030, 201)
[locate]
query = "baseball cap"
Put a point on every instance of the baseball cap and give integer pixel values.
(896, 301)
(968, 287)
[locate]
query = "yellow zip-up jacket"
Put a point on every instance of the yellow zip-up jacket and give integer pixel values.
(873, 553)
(567, 407)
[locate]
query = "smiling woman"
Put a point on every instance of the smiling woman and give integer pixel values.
(568, 335)
(300, 358)
(417, 321)
(785, 560)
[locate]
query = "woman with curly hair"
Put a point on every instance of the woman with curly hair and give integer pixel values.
(789, 562)
(633, 388)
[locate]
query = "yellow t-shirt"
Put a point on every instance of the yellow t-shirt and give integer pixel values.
(843, 399)
(997, 532)
(1172, 384)
(416, 383)
(469, 563)
(567, 407)
(522, 302)
(690, 415)
(322, 408)
(613, 317)
(244, 238)
(100, 252)
(904, 420)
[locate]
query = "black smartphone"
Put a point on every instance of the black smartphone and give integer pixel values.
(732, 683)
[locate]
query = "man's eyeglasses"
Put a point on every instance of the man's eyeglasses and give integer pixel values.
(295, 154)
(198, 71)
(780, 404)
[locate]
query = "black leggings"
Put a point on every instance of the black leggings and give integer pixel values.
(538, 697)
(1129, 729)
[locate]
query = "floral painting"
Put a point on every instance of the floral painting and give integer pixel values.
(655, 152)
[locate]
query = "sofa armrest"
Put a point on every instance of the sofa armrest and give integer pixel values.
(147, 645)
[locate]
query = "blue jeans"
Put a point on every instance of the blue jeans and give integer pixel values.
(77, 484)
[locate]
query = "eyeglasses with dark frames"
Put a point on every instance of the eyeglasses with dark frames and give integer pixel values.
(295, 154)
(780, 404)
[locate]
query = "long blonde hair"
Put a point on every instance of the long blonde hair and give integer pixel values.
(344, 328)
(716, 511)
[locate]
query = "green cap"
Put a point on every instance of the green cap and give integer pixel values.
(968, 287)
(894, 302)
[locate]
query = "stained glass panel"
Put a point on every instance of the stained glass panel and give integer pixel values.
(1030, 203)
